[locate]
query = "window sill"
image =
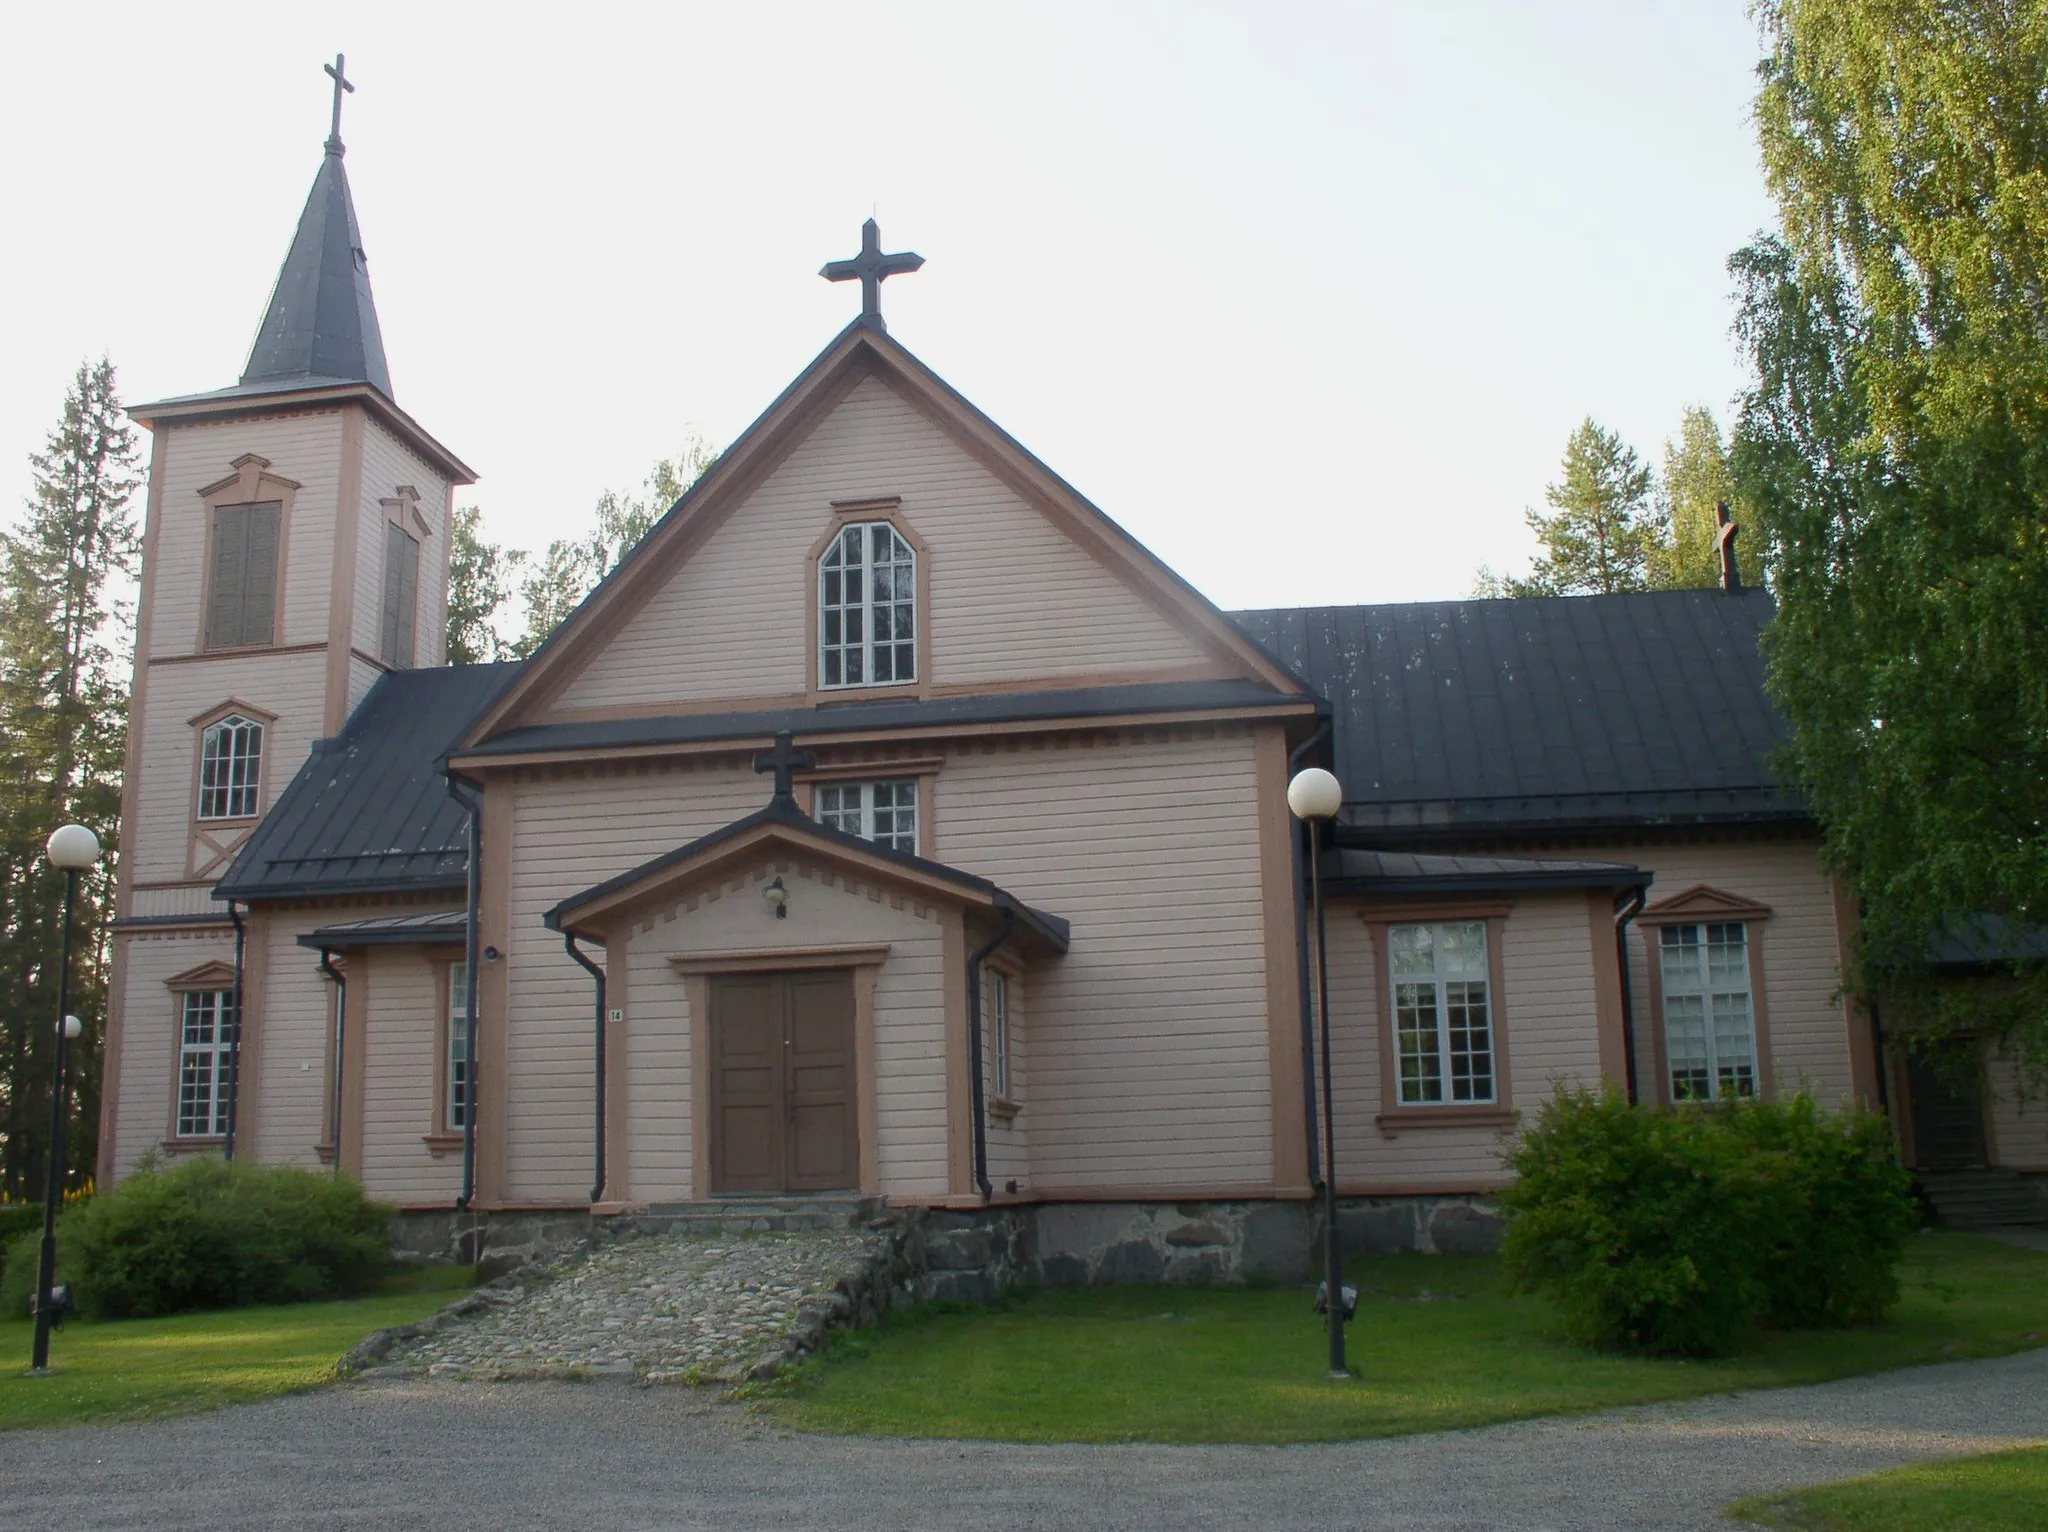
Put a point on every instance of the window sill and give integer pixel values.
(1392, 1124)
(442, 1143)
(182, 1145)
(1003, 1109)
(324, 1153)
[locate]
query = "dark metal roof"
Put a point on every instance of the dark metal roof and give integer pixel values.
(321, 322)
(1051, 929)
(897, 713)
(1989, 941)
(435, 928)
(1555, 712)
(1348, 870)
(370, 811)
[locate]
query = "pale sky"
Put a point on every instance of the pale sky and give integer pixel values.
(1307, 297)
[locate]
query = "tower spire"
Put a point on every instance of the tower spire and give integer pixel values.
(321, 323)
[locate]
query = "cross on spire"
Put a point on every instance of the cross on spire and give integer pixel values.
(785, 760)
(873, 268)
(342, 84)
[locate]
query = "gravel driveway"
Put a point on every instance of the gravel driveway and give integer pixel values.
(609, 1455)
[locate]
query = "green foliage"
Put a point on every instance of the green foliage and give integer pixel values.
(570, 567)
(1697, 479)
(65, 636)
(212, 1233)
(1894, 443)
(1603, 529)
(480, 575)
(1671, 1232)
(1999, 1492)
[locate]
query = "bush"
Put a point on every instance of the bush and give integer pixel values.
(1672, 1231)
(212, 1233)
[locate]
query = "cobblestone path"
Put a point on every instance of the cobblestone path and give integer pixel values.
(661, 1307)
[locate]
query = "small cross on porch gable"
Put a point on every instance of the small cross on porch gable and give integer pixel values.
(872, 267)
(785, 760)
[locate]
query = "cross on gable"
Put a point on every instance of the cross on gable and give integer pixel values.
(336, 71)
(785, 760)
(1724, 547)
(872, 268)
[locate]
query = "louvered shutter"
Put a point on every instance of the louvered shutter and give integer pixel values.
(401, 595)
(408, 595)
(225, 579)
(259, 575)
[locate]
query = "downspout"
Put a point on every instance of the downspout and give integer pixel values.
(474, 803)
(340, 1035)
(227, 1148)
(978, 1107)
(1308, 1038)
(1884, 1094)
(597, 1091)
(1623, 914)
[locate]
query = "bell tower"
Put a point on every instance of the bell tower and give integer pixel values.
(295, 547)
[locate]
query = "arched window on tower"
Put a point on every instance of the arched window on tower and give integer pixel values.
(867, 608)
(230, 768)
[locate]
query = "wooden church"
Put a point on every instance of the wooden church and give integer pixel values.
(891, 824)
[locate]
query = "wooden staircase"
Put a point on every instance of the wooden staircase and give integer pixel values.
(1984, 1198)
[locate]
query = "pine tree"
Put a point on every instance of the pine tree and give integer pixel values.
(66, 633)
(1604, 528)
(1697, 479)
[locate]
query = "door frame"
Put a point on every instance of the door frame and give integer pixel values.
(864, 962)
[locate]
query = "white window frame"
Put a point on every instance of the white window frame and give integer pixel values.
(849, 576)
(455, 1100)
(231, 778)
(1447, 986)
(1722, 1052)
(995, 1006)
(205, 1063)
(892, 823)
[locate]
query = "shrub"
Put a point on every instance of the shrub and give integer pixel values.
(1853, 1212)
(1650, 1230)
(212, 1233)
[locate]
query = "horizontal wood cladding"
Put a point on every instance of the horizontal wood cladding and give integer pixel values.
(150, 1022)
(1545, 1022)
(399, 1033)
(303, 448)
(294, 1017)
(1147, 1042)
(387, 464)
(2019, 1124)
(165, 795)
(1809, 1029)
(1012, 597)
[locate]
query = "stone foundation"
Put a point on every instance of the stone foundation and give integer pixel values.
(495, 1242)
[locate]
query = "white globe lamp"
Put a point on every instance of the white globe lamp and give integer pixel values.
(1315, 794)
(72, 847)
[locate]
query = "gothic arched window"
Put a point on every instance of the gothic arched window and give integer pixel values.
(867, 608)
(230, 768)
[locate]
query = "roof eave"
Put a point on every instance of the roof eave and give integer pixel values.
(239, 402)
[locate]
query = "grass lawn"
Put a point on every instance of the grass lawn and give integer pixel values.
(135, 1369)
(2000, 1492)
(1438, 1343)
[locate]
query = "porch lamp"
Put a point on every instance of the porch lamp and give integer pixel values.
(1314, 796)
(72, 848)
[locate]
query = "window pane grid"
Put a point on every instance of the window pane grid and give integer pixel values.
(1443, 1030)
(205, 1062)
(883, 812)
(867, 608)
(1709, 1024)
(230, 760)
(998, 1006)
(458, 1045)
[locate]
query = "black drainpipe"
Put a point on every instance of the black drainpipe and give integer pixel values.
(1308, 1037)
(597, 980)
(1623, 914)
(227, 1148)
(473, 802)
(1884, 1094)
(340, 1034)
(980, 1110)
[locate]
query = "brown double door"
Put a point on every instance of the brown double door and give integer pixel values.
(782, 1083)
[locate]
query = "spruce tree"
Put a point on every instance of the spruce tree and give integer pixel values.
(66, 635)
(1604, 527)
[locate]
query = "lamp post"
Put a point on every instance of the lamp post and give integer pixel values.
(72, 848)
(1315, 796)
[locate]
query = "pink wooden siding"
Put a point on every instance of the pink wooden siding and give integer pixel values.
(296, 1017)
(388, 463)
(1148, 1051)
(150, 1021)
(569, 832)
(400, 1034)
(1012, 596)
(1801, 958)
(1009, 1143)
(2019, 1124)
(910, 1020)
(1545, 1026)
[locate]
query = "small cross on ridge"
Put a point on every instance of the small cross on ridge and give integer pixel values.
(337, 72)
(872, 268)
(785, 760)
